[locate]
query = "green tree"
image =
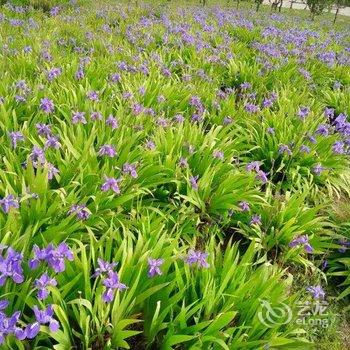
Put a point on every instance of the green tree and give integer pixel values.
(316, 7)
(339, 4)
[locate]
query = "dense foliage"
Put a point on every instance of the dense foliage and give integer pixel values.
(165, 171)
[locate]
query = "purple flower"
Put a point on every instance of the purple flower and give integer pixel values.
(92, 96)
(55, 257)
(338, 147)
(32, 330)
(303, 112)
(253, 166)
(323, 130)
(37, 156)
(244, 206)
(316, 291)
(183, 162)
(9, 202)
(179, 118)
(42, 284)
(154, 267)
(112, 283)
(11, 267)
(227, 121)
(112, 122)
(150, 145)
(255, 220)
(104, 267)
(302, 241)
(261, 176)
(197, 257)
(271, 130)
(137, 109)
(52, 171)
(8, 324)
(251, 108)
(15, 137)
(80, 211)
(46, 316)
(284, 149)
(111, 184)
(52, 142)
(107, 150)
(53, 73)
(79, 117)
(329, 112)
(47, 105)
(318, 169)
(218, 154)
(194, 182)
(96, 116)
(305, 149)
(130, 169)
(43, 129)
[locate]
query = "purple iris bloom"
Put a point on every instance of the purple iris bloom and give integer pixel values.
(92, 96)
(104, 267)
(196, 257)
(79, 117)
(183, 162)
(53, 73)
(9, 202)
(54, 257)
(150, 145)
(45, 316)
(253, 166)
(42, 284)
(47, 105)
(154, 267)
(318, 169)
(37, 156)
(218, 154)
(111, 184)
(52, 171)
(52, 142)
(255, 220)
(227, 121)
(8, 324)
(107, 150)
(43, 129)
(194, 182)
(261, 176)
(244, 206)
(112, 283)
(305, 149)
(179, 118)
(15, 137)
(130, 169)
(11, 267)
(303, 112)
(338, 147)
(329, 112)
(112, 122)
(284, 149)
(80, 211)
(323, 130)
(317, 292)
(251, 108)
(302, 241)
(271, 130)
(96, 116)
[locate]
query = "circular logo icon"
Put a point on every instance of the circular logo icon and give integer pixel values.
(271, 316)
